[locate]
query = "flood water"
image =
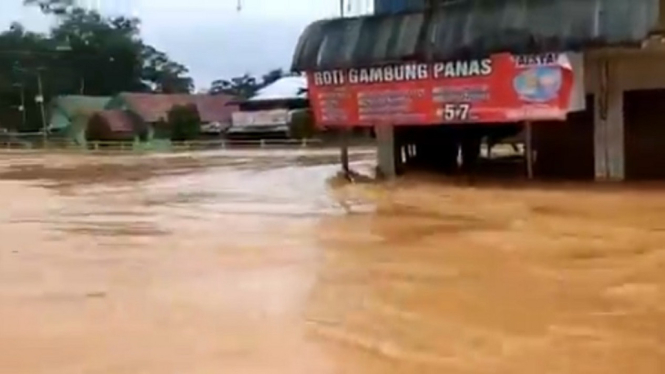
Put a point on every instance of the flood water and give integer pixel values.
(255, 262)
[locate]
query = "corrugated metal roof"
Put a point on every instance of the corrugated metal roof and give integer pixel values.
(153, 107)
(474, 28)
(67, 108)
(72, 105)
(111, 125)
(285, 88)
(115, 121)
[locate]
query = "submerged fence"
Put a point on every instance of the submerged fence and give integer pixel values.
(162, 146)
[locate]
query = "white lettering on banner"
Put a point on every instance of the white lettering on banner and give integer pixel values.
(329, 78)
(463, 69)
(404, 73)
(537, 60)
(388, 74)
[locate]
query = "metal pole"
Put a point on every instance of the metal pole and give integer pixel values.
(344, 151)
(23, 108)
(529, 150)
(40, 88)
(341, 8)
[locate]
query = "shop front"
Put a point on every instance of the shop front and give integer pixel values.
(435, 83)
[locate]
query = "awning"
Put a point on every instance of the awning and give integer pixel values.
(473, 29)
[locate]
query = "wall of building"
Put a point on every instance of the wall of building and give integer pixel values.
(631, 144)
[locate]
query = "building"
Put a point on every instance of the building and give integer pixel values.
(68, 116)
(616, 136)
(139, 117)
(151, 112)
(267, 115)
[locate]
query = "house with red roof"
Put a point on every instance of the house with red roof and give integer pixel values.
(143, 116)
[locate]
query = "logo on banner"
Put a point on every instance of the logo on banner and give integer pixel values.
(538, 84)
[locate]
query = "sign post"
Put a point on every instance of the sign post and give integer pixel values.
(529, 149)
(502, 88)
(344, 151)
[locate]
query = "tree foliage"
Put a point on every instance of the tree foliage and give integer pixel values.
(85, 53)
(302, 125)
(184, 122)
(245, 86)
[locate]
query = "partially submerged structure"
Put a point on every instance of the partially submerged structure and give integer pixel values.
(69, 115)
(139, 117)
(613, 134)
(149, 112)
(267, 115)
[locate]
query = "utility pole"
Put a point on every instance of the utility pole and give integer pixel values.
(40, 101)
(22, 108)
(341, 8)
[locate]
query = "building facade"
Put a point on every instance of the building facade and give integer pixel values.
(616, 137)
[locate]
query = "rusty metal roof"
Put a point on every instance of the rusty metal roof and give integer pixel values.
(474, 28)
(153, 107)
(114, 121)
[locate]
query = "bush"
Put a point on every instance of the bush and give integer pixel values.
(184, 122)
(302, 124)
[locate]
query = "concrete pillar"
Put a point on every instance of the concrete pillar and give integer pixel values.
(609, 150)
(385, 142)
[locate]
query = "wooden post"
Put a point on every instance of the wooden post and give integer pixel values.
(529, 149)
(386, 155)
(344, 155)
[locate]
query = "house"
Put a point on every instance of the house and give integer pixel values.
(113, 125)
(268, 113)
(69, 115)
(152, 110)
(142, 116)
(132, 116)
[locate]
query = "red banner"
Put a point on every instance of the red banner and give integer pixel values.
(503, 88)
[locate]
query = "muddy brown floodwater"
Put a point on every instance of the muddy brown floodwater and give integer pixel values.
(250, 262)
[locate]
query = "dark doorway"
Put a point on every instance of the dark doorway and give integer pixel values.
(564, 150)
(644, 132)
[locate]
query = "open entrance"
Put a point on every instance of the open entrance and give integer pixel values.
(644, 131)
(465, 148)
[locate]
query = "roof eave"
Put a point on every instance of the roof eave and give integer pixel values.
(473, 29)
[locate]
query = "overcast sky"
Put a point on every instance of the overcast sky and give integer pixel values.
(211, 37)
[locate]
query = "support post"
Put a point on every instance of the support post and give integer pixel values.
(609, 149)
(40, 101)
(344, 151)
(385, 141)
(529, 149)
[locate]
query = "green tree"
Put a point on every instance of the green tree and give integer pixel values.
(272, 76)
(184, 122)
(302, 124)
(21, 53)
(85, 53)
(243, 87)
